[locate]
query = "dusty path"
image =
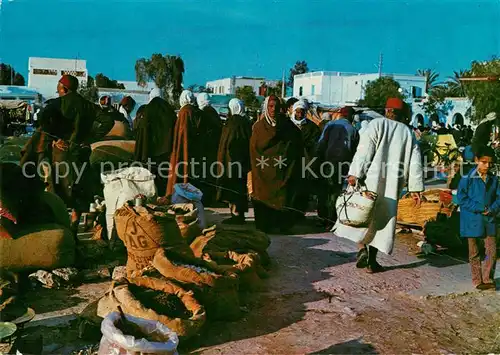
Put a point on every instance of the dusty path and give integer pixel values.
(316, 301)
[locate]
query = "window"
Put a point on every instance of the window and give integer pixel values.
(72, 72)
(301, 91)
(416, 91)
(355, 83)
(44, 71)
(313, 89)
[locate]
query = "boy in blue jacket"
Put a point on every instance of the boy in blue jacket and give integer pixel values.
(479, 199)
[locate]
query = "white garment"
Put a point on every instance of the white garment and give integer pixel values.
(187, 98)
(203, 100)
(364, 126)
(269, 119)
(236, 107)
(299, 105)
(127, 116)
(154, 93)
(388, 158)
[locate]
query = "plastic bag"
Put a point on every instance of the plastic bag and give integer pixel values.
(114, 342)
(123, 185)
(187, 193)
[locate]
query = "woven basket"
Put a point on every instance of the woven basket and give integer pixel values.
(411, 214)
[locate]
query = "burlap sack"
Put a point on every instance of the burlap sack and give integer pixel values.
(246, 266)
(186, 216)
(218, 293)
(144, 231)
(46, 247)
(122, 296)
(226, 238)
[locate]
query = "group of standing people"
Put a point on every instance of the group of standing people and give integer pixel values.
(280, 157)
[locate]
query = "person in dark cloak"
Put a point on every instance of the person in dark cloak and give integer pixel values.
(337, 147)
(188, 141)
(154, 132)
(276, 151)
(483, 134)
(127, 105)
(72, 178)
(310, 136)
(234, 162)
(110, 124)
(211, 125)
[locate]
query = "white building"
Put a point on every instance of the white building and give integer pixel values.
(339, 89)
(44, 73)
(454, 110)
(227, 86)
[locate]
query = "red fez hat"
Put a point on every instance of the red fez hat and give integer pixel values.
(346, 111)
(394, 103)
(69, 82)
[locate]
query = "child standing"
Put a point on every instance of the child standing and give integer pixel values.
(479, 199)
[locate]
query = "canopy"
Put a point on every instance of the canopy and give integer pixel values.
(12, 104)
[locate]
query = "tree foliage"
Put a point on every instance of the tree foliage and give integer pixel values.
(300, 67)
(89, 90)
(485, 95)
(167, 71)
(102, 81)
(378, 91)
(275, 90)
(8, 76)
(431, 77)
(247, 95)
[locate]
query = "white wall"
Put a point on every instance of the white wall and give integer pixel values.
(220, 87)
(44, 73)
(451, 107)
(335, 88)
(225, 86)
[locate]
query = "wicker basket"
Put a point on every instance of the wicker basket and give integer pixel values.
(411, 214)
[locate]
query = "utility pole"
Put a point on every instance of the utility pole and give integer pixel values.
(283, 93)
(11, 76)
(380, 64)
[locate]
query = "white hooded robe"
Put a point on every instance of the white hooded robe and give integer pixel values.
(387, 158)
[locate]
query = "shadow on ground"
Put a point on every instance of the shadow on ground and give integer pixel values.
(50, 300)
(354, 346)
(287, 292)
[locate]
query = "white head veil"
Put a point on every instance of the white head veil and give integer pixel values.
(297, 105)
(236, 107)
(187, 98)
(154, 93)
(269, 119)
(203, 100)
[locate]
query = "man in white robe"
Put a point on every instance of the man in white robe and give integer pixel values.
(387, 159)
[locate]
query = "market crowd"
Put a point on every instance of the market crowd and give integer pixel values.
(277, 159)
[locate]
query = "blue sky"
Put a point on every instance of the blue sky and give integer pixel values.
(256, 38)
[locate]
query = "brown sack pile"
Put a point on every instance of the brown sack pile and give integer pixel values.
(246, 266)
(124, 296)
(47, 247)
(217, 292)
(144, 230)
(225, 238)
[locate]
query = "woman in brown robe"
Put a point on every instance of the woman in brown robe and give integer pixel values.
(276, 151)
(187, 150)
(234, 162)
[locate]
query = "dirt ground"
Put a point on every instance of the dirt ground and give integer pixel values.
(316, 302)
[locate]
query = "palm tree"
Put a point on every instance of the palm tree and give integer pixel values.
(431, 77)
(456, 87)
